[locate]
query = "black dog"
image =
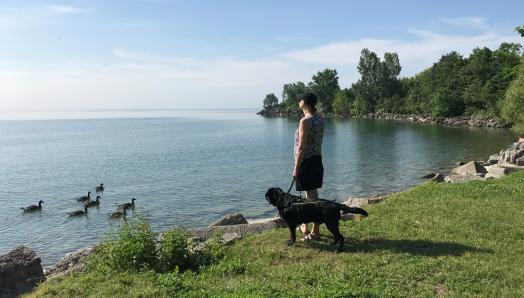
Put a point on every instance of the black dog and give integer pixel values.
(295, 211)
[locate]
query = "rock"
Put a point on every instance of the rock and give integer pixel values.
(494, 159)
(20, 272)
(229, 238)
(428, 176)
(461, 178)
(356, 202)
(521, 144)
(360, 202)
(438, 178)
(242, 229)
(520, 161)
(496, 171)
(71, 262)
(230, 219)
(471, 168)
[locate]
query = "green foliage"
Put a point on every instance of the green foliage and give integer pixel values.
(379, 83)
(513, 104)
(520, 30)
(173, 253)
(342, 102)
(325, 85)
(291, 90)
(132, 248)
(270, 101)
(453, 86)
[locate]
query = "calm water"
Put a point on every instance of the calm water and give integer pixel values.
(191, 167)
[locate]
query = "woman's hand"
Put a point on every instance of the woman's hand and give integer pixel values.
(295, 172)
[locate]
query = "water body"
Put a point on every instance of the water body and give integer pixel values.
(188, 168)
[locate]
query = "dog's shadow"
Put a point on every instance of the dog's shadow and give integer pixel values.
(413, 247)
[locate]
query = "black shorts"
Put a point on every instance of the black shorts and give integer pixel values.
(310, 173)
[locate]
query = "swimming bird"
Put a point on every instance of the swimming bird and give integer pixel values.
(93, 203)
(85, 198)
(78, 212)
(100, 188)
(119, 213)
(125, 206)
(32, 208)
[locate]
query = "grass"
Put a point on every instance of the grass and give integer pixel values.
(435, 239)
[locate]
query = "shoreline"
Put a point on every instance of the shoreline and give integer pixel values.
(458, 121)
(233, 227)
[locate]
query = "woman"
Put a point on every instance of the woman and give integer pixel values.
(308, 171)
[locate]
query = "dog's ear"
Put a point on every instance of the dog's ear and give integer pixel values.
(279, 190)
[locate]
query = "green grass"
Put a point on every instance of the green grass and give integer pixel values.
(435, 239)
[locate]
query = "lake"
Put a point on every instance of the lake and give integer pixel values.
(190, 167)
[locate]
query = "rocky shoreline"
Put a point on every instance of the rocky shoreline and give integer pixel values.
(460, 121)
(21, 270)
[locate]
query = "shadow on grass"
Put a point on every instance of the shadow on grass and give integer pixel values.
(413, 247)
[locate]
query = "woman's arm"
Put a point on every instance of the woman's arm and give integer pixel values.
(303, 129)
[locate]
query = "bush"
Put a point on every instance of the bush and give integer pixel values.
(173, 252)
(132, 248)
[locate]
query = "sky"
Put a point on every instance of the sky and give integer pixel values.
(155, 54)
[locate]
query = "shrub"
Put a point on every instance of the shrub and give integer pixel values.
(173, 252)
(131, 248)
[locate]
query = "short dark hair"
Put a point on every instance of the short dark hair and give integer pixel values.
(309, 98)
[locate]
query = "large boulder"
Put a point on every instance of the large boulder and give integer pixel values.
(521, 145)
(20, 272)
(520, 161)
(71, 262)
(229, 220)
(471, 168)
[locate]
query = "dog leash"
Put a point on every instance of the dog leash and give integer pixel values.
(291, 186)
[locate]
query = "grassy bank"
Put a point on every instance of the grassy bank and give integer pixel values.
(434, 239)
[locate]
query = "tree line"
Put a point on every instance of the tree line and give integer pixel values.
(486, 83)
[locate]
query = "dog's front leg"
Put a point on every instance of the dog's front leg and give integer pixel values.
(292, 234)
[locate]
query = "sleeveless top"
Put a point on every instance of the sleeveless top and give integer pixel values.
(314, 137)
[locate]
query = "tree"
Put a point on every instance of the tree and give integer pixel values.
(342, 102)
(513, 104)
(379, 80)
(520, 30)
(290, 92)
(325, 85)
(270, 101)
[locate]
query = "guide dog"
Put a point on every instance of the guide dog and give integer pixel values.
(295, 210)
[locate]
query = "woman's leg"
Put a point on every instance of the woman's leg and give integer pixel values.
(313, 194)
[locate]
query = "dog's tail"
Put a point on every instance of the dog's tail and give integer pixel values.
(354, 210)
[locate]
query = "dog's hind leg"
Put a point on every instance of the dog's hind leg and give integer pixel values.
(292, 234)
(333, 228)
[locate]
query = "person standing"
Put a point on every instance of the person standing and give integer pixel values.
(308, 170)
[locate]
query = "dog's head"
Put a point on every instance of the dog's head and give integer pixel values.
(273, 195)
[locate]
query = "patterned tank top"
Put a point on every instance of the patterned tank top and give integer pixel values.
(314, 138)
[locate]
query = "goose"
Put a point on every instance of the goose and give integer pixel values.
(85, 198)
(125, 206)
(32, 208)
(100, 188)
(78, 212)
(119, 213)
(93, 203)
